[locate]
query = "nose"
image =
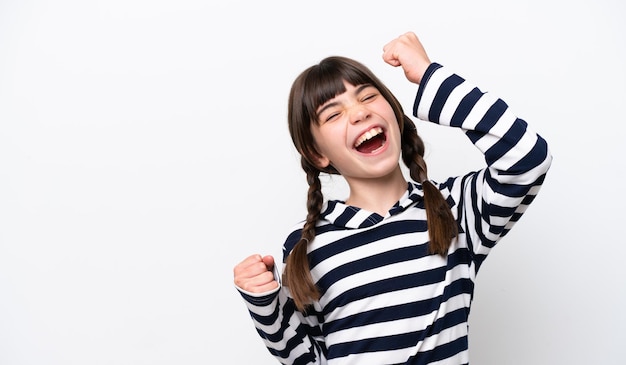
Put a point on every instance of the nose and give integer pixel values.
(359, 114)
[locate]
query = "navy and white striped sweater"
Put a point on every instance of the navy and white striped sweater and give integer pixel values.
(385, 300)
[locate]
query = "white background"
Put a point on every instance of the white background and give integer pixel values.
(144, 152)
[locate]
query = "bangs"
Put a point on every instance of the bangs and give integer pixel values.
(326, 81)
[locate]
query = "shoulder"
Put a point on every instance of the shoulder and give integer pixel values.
(293, 237)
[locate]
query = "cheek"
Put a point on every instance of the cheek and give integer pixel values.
(318, 139)
(322, 158)
(320, 142)
(397, 134)
(394, 131)
(328, 135)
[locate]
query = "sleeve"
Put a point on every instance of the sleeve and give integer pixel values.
(494, 198)
(290, 336)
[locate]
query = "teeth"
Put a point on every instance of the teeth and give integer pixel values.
(368, 135)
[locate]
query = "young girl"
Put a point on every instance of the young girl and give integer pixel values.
(387, 276)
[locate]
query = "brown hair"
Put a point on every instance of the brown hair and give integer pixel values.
(312, 88)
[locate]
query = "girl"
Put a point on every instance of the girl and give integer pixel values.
(387, 276)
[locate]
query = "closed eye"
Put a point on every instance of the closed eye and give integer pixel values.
(369, 97)
(367, 92)
(331, 117)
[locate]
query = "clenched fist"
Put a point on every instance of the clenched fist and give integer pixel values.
(255, 274)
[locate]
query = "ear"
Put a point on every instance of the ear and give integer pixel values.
(321, 161)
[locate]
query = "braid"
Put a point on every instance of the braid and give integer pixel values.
(297, 274)
(442, 226)
(413, 151)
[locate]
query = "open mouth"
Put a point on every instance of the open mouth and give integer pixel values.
(370, 141)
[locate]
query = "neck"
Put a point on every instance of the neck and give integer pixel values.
(377, 195)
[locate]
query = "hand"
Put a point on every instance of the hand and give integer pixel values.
(407, 51)
(254, 274)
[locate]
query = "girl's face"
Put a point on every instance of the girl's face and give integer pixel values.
(358, 134)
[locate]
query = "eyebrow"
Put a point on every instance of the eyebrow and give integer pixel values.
(330, 105)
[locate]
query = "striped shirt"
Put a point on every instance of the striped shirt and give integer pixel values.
(384, 298)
